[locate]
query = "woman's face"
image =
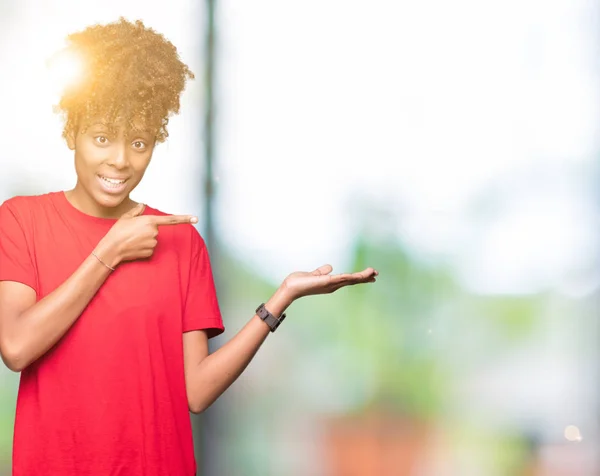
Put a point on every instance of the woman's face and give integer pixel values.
(110, 166)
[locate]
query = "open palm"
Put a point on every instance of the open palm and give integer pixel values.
(320, 281)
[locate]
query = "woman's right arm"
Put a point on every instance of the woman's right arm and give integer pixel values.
(29, 329)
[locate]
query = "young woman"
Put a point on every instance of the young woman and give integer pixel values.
(107, 305)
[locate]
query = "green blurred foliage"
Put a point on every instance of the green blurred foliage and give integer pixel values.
(8, 395)
(388, 341)
(515, 317)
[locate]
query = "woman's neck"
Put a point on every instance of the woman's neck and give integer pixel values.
(80, 199)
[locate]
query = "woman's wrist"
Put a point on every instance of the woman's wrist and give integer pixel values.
(107, 253)
(279, 302)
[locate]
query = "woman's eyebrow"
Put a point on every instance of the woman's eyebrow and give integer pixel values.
(99, 125)
(141, 133)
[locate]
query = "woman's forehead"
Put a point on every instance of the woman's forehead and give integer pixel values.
(121, 125)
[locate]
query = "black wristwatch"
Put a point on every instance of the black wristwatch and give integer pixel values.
(269, 318)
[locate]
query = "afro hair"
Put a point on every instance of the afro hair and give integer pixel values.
(130, 73)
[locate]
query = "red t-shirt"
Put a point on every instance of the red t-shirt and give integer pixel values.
(109, 399)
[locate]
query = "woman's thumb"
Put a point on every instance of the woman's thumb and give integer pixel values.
(135, 211)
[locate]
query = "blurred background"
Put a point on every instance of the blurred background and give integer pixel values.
(453, 146)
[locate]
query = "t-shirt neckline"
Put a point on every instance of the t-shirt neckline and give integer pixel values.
(64, 203)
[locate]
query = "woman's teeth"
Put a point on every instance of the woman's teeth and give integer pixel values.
(112, 182)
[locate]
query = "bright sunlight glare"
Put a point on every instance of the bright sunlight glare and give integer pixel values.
(66, 69)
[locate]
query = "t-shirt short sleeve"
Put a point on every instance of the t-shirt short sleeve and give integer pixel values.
(16, 263)
(201, 310)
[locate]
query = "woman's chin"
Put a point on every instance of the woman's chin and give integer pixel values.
(111, 201)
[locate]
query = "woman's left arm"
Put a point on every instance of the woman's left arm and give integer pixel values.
(208, 376)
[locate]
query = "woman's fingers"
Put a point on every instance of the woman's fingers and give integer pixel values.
(322, 270)
(354, 278)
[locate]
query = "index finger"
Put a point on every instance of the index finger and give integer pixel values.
(173, 219)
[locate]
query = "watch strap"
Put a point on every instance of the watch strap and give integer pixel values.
(269, 318)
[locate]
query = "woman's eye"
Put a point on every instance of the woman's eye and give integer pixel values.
(101, 140)
(139, 145)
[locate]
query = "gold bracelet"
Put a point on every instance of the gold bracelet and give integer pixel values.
(96, 256)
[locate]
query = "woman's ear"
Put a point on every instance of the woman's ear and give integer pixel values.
(70, 137)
